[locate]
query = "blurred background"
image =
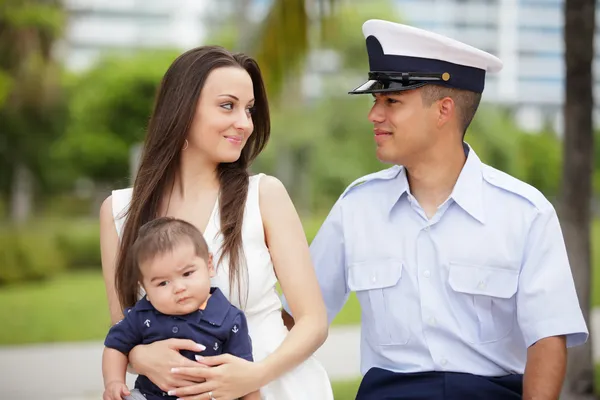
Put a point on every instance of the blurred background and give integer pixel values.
(77, 83)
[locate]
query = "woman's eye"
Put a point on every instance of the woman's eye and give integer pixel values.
(227, 106)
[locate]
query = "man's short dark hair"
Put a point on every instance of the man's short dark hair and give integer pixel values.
(162, 235)
(466, 101)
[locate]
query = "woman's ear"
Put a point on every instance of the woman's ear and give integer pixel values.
(210, 265)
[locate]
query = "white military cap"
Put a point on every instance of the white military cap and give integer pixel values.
(403, 57)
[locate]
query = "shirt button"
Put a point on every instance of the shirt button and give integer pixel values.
(481, 285)
(432, 321)
(427, 228)
(175, 329)
(426, 274)
(443, 361)
(374, 279)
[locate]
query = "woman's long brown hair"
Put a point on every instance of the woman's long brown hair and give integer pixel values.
(170, 122)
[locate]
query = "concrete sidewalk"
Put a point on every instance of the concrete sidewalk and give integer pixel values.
(73, 371)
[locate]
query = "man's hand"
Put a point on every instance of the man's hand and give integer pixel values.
(115, 390)
(288, 320)
(545, 369)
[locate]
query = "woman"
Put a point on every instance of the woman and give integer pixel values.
(210, 121)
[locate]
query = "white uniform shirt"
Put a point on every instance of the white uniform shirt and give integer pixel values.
(467, 290)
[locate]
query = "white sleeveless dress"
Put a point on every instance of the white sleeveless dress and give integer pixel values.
(260, 301)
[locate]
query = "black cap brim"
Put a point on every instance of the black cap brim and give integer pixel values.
(385, 86)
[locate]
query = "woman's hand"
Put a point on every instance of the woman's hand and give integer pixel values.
(228, 378)
(156, 360)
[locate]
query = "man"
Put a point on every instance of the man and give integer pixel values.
(460, 269)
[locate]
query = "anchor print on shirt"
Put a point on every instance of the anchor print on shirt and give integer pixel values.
(216, 346)
(235, 329)
(147, 323)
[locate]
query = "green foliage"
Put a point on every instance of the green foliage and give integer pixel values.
(535, 158)
(45, 248)
(282, 43)
(79, 243)
(109, 108)
(342, 30)
(31, 105)
(28, 255)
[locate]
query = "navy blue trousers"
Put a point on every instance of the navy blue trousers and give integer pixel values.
(380, 384)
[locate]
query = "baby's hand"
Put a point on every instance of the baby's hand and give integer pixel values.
(115, 391)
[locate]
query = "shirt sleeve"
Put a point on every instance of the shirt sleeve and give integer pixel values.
(547, 303)
(239, 343)
(125, 334)
(327, 252)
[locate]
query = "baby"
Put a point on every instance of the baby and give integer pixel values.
(174, 267)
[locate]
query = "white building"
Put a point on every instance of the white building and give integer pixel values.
(526, 34)
(95, 27)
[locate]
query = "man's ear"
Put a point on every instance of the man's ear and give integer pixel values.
(210, 265)
(446, 111)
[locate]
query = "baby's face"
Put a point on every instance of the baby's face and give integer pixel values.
(177, 283)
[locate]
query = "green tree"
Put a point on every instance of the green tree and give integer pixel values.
(109, 109)
(30, 101)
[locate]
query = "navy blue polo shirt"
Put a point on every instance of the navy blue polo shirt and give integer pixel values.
(221, 327)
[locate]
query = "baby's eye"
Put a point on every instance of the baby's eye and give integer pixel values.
(186, 274)
(163, 283)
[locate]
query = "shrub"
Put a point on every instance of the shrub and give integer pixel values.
(80, 245)
(27, 255)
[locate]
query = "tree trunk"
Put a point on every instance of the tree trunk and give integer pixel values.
(575, 207)
(21, 194)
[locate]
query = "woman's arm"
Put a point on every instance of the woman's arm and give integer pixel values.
(291, 258)
(155, 360)
(232, 377)
(109, 245)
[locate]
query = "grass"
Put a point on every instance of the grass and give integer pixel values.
(71, 307)
(345, 390)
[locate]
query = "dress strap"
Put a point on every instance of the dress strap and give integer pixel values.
(120, 205)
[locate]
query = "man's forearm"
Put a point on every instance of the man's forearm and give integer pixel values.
(545, 369)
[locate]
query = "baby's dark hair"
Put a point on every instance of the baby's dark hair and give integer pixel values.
(163, 235)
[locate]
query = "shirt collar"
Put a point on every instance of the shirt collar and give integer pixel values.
(214, 313)
(467, 192)
(398, 188)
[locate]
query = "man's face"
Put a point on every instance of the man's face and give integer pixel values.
(402, 126)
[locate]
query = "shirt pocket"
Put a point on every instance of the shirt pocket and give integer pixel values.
(483, 300)
(377, 286)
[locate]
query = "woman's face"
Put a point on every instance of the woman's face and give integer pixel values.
(222, 123)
